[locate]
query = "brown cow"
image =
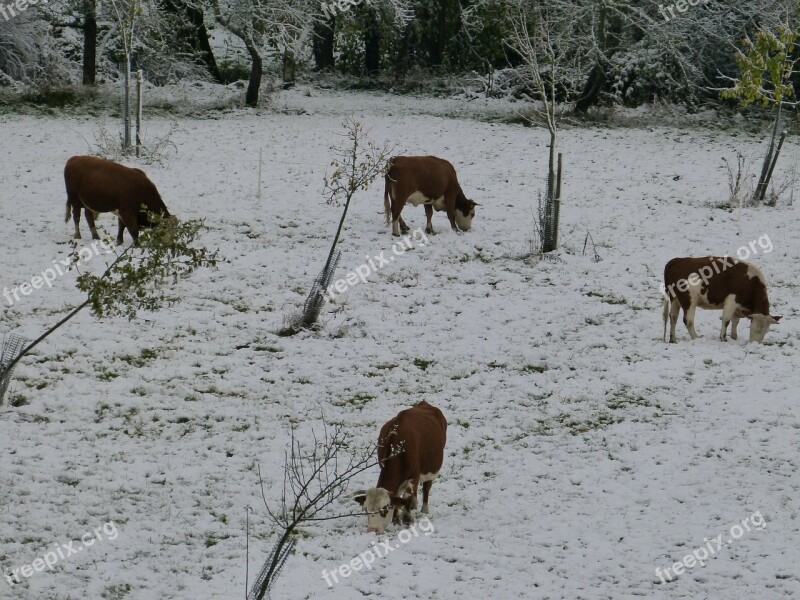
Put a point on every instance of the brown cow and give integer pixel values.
(99, 185)
(410, 451)
(737, 288)
(430, 181)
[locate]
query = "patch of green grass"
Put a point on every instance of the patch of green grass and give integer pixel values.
(534, 368)
(607, 298)
(600, 421)
(272, 349)
(358, 400)
(17, 399)
(477, 256)
(145, 355)
(116, 591)
(423, 364)
(106, 374)
(458, 376)
(623, 398)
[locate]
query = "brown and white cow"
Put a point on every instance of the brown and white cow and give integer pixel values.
(737, 288)
(430, 181)
(100, 185)
(410, 451)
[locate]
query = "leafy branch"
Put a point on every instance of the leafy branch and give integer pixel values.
(356, 165)
(767, 66)
(137, 279)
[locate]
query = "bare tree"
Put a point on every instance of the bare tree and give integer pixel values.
(127, 13)
(314, 478)
(553, 64)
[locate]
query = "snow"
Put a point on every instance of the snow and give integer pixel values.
(582, 452)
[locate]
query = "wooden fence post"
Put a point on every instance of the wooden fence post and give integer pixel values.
(138, 112)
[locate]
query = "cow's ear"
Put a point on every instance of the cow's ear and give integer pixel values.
(776, 318)
(360, 497)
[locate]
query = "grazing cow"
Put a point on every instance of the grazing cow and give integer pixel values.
(99, 185)
(430, 181)
(737, 288)
(410, 451)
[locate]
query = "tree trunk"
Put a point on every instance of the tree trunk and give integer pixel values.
(404, 58)
(289, 68)
(203, 44)
(196, 34)
(608, 43)
(323, 44)
(761, 189)
(591, 90)
(256, 70)
(89, 42)
(372, 43)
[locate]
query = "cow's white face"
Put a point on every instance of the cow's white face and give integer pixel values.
(378, 504)
(759, 325)
(463, 221)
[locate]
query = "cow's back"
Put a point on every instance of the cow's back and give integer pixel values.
(723, 276)
(432, 176)
(103, 185)
(422, 431)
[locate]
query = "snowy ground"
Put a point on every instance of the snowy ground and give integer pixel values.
(582, 453)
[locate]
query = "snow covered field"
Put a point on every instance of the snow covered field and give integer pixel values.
(583, 453)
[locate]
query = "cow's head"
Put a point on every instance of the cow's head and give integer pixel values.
(380, 506)
(465, 213)
(759, 325)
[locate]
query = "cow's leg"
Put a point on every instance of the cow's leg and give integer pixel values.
(734, 325)
(429, 217)
(397, 208)
(426, 489)
(90, 220)
(120, 230)
(76, 218)
(674, 310)
(408, 514)
(728, 311)
(688, 320)
(450, 205)
(128, 219)
(403, 227)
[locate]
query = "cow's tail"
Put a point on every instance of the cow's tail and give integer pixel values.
(665, 312)
(387, 189)
(69, 211)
